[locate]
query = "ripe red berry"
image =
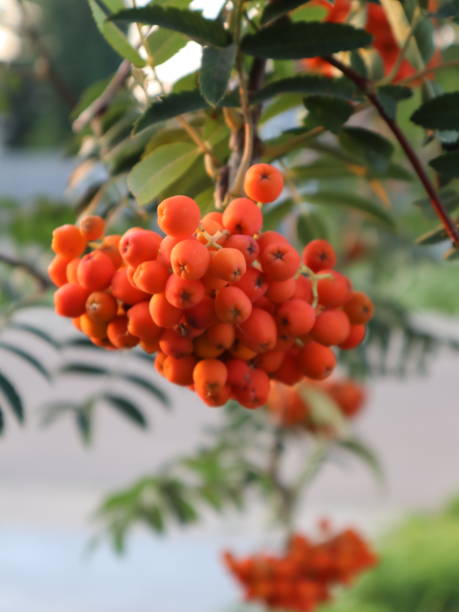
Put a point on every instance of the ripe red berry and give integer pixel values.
(319, 255)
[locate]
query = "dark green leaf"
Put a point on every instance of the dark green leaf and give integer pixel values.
(434, 236)
(447, 164)
(164, 44)
(173, 493)
(391, 95)
(2, 422)
(448, 9)
(84, 369)
(216, 67)
(372, 148)
(351, 200)
(450, 255)
(306, 84)
(30, 359)
(331, 113)
(309, 227)
(167, 107)
(148, 386)
(127, 408)
(274, 215)
(440, 113)
(277, 9)
(154, 518)
(35, 331)
(304, 39)
(83, 423)
(190, 23)
(13, 397)
(366, 454)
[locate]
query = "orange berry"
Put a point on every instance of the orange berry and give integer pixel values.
(212, 284)
(279, 261)
(214, 397)
(253, 284)
(242, 216)
(57, 270)
(179, 370)
(122, 289)
(141, 324)
(331, 327)
(93, 329)
(183, 293)
(92, 227)
(70, 300)
(259, 331)
(290, 371)
(190, 259)
(221, 335)
(281, 291)
(238, 373)
(270, 361)
(72, 270)
(246, 244)
(159, 362)
(151, 276)
(319, 255)
(334, 291)
(295, 318)
(163, 313)
(76, 323)
(263, 183)
(232, 305)
(318, 361)
(68, 241)
(303, 289)
(228, 264)
(184, 328)
(242, 351)
(210, 373)
(205, 349)
(138, 245)
(266, 304)
(178, 216)
(202, 314)
(103, 343)
(349, 396)
(118, 334)
(256, 392)
(101, 307)
(270, 237)
(165, 249)
(149, 347)
(174, 344)
(356, 336)
(359, 308)
(110, 248)
(95, 271)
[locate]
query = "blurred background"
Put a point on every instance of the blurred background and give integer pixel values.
(51, 483)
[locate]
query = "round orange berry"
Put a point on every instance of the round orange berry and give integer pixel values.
(263, 183)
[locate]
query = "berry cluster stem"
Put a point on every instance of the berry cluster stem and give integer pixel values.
(365, 86)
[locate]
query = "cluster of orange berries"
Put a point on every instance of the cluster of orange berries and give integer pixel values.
(290, 407)
(305, 575)
(225, 306)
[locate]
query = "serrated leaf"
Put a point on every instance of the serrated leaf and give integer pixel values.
(148, 386)
(127, 408)
(114, 36)
(391, 95)
(304, 39)
(447, 164)
(160, 169)
(309, 227)
(306, 84)
(346, 199)
(190, 23)
(167, 107)
(277, 9)
(35, 331)
(440, 113)
(84, 369)
(164, 44)
(27, 357)
(216, 66)
(331, 113)
(433, 236)
(369, 146)
(13, 397)
(362, 451)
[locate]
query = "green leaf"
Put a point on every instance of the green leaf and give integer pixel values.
(148, 386)
(114, 36)
(83, 423)
(372, 148)
(160, 169)
(154, 518)
(167, 107)
(310, 226)
(127, 408)
(190, 23)
(13, 397)
(84, 369)
(449, 198)
(324, 411)
(2, 422)
(216, 66)
(366, 454)
(164, 44)
(451, 254)
(274, 215)
(304, 39)
(440, 113)
(433, 236)
(277, 9)
(350, 200)
(331, 113)
(391, 95)
(35, 331)
(24, 355)
(306, 84)
(447, 164)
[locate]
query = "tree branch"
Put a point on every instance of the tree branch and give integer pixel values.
(37, 275)
(365, 86)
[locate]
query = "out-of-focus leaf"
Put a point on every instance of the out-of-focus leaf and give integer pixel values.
(331, 113)
(366, 454)
(2, 422)
(449, 199)
(34, 331)
(13, 397)
(433, 236)
(27, 357)
(277, 9)
(370, 147)
(447, 164)
(216, 66)
(391, 95)
(127, 408)
(312, 84)
(169, 106)
(83, 369)
(451, 254)
(324, 411)
(274, 215)
(164, 44)
(147, 386)
(439, 113)
(311, 226)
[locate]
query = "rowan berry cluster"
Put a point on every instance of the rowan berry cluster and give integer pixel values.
(225, 306)
(289, 406)
(304, 577)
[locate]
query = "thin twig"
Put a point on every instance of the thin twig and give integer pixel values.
(366, 87)
(428, 70)
(30, 269)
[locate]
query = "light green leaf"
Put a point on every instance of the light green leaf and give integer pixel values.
(216, 66)
(274, 215)
(160, 169)
(114, 36)
(311, 226)
(324, 411)
(304, 39)
(190, 23)
(369, 146)
(433, 236)
(164, 44)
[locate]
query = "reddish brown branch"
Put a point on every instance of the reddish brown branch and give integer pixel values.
(365, 86)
